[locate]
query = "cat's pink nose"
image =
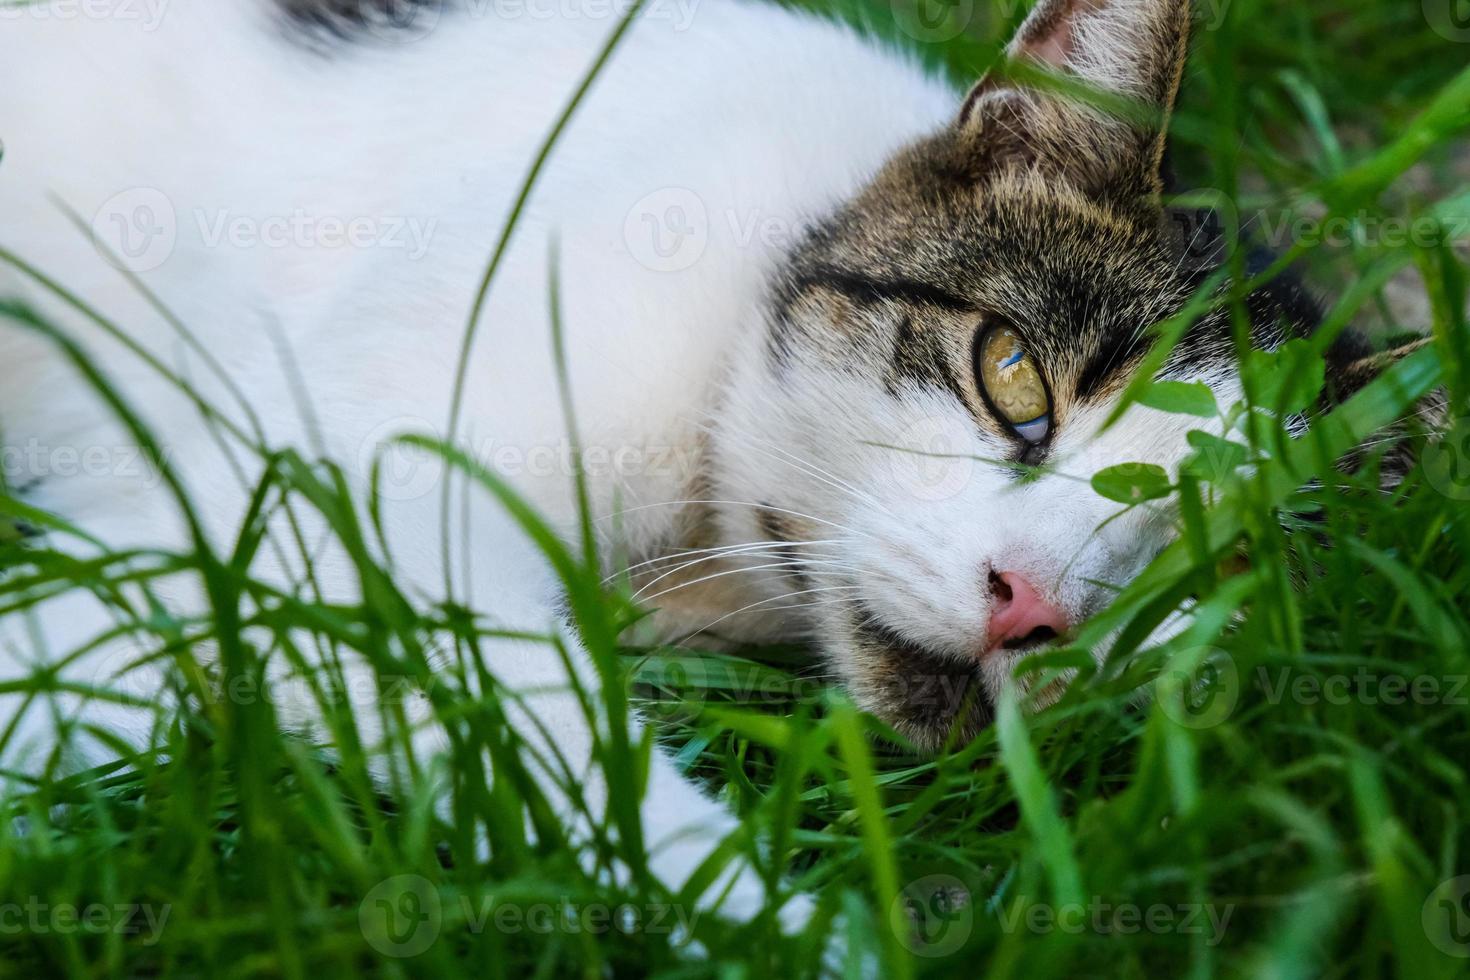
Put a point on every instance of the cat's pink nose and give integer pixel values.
(1019, 614)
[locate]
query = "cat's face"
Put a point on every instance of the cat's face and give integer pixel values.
(975, 308)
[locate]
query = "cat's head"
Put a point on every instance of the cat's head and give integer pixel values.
(981, 303)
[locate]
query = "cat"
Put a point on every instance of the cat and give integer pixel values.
(807, 288)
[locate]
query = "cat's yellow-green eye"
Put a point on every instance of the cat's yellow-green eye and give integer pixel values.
(1012, 384)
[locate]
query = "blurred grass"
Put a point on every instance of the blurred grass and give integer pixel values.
(1284, 833)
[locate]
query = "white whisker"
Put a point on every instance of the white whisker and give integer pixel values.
(804, 465)
(739, 503)
(789, 563)
(722, 551)
(762, 602)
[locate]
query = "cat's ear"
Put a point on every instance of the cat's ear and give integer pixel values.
(1350, 369)
(1130, 53)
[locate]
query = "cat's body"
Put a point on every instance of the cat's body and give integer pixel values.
(241, 131)
(223, 119)
(786, 395)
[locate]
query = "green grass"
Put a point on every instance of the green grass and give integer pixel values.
(1296, 816)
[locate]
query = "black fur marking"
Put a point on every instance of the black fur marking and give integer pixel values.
(773, 525)
(922, 361)
(1109, 362)
(776, 526)
(778, 335)
(854, 286)
(867, 290)
(353, 19)
(871, 629)
(932, 697)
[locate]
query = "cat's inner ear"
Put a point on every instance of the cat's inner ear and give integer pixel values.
(1128, 54)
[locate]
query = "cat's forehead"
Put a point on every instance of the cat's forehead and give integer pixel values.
(904, 278)
(1022, 238)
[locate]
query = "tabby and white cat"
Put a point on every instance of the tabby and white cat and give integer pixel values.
(791, 263)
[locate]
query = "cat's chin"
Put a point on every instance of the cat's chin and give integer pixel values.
(934, 699)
